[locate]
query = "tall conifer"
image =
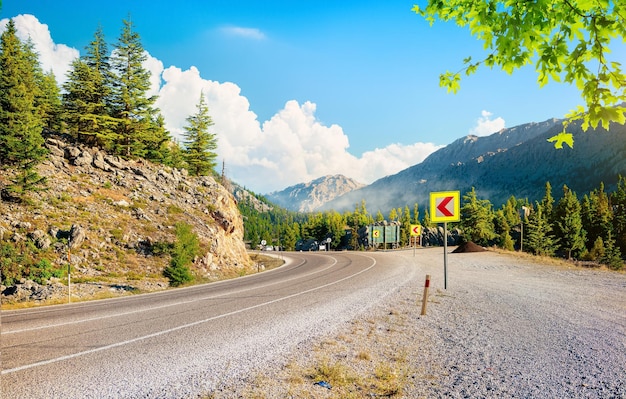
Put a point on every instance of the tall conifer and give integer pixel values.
(618, 203)
(21, 143)
(200, 143)
(568, 223)
(129, 101)
(87, 96)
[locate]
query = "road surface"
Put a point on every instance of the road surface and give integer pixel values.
(183, 342)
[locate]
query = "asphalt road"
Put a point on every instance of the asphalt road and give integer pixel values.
(180, 343)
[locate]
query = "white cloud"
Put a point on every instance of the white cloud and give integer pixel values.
(486, 126)
(291, 147)
(155, 67)
(55, 57)
(249, 33)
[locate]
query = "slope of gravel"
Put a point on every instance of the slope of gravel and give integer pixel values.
(506, 327)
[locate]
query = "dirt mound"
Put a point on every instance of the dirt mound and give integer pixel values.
(468, 247)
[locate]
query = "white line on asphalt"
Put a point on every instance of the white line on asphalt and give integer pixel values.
(154, 307)
(170, 330)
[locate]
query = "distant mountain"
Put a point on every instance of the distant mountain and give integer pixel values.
(516, 161)
(307, 197)
(242, 195)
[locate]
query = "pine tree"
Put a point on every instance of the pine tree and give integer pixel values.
(47, 98)
(393, 214)
(21, 143)
(597, 214)
(405, 231)
(200, 144)
(87, 97)
(612, 256)
(568, 223)
(85, 110)
(157, 142)
(547, 203)
(426, 220)
(50, 102)
(175, 156)
(503, 230)
(476, 219)
(618, 202)
(416, 214)
(538, 237)
(129, 101)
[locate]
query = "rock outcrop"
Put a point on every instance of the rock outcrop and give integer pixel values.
(109, 217)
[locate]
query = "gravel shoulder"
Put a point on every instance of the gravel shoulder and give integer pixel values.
(507, 326)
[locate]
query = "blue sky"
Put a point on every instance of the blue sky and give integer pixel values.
(298, 90)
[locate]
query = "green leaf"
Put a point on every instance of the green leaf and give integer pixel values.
(561, 138)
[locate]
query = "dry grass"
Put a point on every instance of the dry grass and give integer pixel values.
(369, 358)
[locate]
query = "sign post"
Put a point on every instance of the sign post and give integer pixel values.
(416, 231)
(69, 269)
(445, 206)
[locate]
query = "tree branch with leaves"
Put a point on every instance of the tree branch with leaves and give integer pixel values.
(566, 40)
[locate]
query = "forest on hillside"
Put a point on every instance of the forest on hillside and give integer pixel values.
(103, 103)
(591, 228)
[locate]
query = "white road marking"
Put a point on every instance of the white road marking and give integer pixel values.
(155, 307)
(170, 330)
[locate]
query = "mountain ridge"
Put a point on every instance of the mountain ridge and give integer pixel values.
(307, 197)
(497, 172)
(515, 161)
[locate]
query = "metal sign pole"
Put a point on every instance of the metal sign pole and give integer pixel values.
(69, 269)
(445, 255)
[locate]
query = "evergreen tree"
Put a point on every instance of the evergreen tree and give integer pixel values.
(405, 230)
(547, 204)
(379, 216)
(290, 236)
(184, 251)
(47, 99)
(175, 156)
(503, 230)
(597, 251)
(393, 214)
(596, 214)
(618, 202)
(416, 214)
(538, 237)
(568, 223)
(426, 220)
(86, 113)
(50, 103)
(97, 58)
(87, 97)
(129, 100)
(157, 144)
(476, 219)
(200, 144)
(21, 143)
(612, 256)
(511, 211)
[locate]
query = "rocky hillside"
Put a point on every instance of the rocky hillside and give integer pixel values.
(307, 197)
(117, 214)
(516, 161)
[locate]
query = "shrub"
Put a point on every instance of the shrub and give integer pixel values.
(183, 252)
(42, 271)
(11, 261)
